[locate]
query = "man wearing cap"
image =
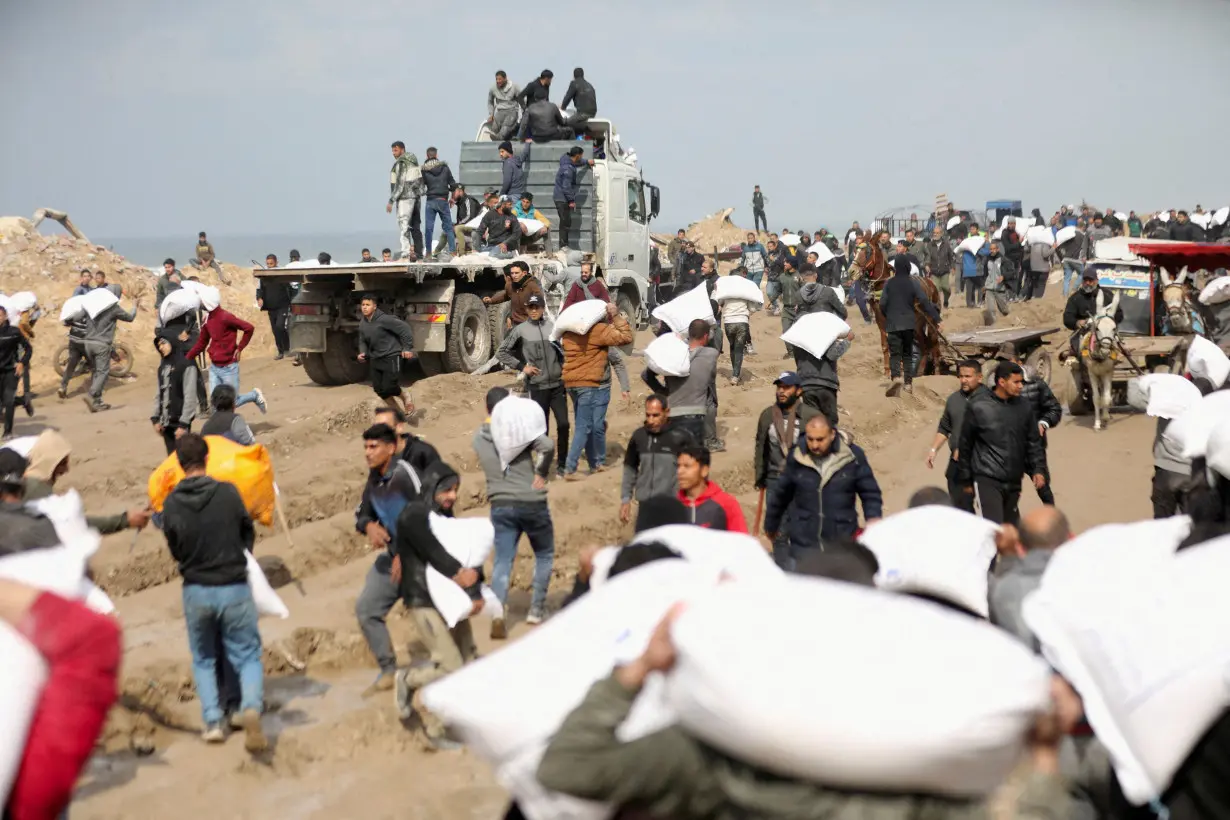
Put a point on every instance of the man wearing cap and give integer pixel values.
(1083, 305)
(566, 188)
(778, 429)
(539, 89)
(513, 171)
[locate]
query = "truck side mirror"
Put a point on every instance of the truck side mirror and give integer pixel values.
(655, 200)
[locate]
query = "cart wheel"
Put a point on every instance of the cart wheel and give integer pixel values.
(1039, 363)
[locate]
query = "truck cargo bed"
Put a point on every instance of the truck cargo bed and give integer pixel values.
(482, 169)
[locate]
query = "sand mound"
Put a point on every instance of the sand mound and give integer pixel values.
(49, 267)
(714, 231)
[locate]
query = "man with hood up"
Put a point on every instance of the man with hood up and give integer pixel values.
(417, 548)
(49, 461)
(175, 404)
(529, 350)
(438, 185)
(21, 527)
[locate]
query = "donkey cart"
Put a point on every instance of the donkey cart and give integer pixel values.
(982, 345)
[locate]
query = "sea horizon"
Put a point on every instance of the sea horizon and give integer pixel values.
(150, 251)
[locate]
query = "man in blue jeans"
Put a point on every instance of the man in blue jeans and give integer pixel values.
(518, 496)
(208, 530)
(440, 183)
(587, 365)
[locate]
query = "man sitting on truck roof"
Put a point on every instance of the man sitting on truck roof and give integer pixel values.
(502, 108)
(544, 122)
(500, 231)
(585, 101)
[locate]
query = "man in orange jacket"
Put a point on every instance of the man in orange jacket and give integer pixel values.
(585, 363)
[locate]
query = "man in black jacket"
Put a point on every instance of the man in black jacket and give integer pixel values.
(539, 89)
(15, 353)
(999, 444)
(417, 452)
(902, 295)
(384, 340)
(688, 268)
(969, 374)
(274, 297)
(649, 461)
(1047, 411)
(1014, 258)
(582, 94)
(417, 548)
(439, 182)
(1086, 302)
(208, 531)
(543, 122)
(391, 484)
(776, 431)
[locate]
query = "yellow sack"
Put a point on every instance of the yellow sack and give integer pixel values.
(248, 468)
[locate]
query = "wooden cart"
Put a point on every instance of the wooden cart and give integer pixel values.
(1030, 342)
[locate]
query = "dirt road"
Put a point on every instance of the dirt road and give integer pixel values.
(338, 756)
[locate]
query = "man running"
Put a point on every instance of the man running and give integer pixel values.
(384, 341)
(15, 354)
(224, 335)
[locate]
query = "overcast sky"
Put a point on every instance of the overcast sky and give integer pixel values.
(157, 118)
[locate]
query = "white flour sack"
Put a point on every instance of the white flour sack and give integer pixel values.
(1163, 395)
(73, 309)
(59, 569)
(1217, 454)
(509, 704)
(1190, 431)
(974, 691)
(515, 423)
(1065, 234)
(737, 287)
(971, 244)
(97, 300)
(578, 318)
(470, 541)
(668, 355)
(1039, 235)
(940, 551)
(1216, 292)
(1147, 654)
(1205, 360)
(816, 332)
(738, 554)
(679, 312)
(177, 303)
(268, 602)
(822, 252)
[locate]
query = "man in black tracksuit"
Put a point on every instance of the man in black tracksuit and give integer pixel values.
(528, 349)
(969, 373)
(585, 99)
(1047, 412)
(274, 297)
(384, 340)
(15, 353)
(688, 265)
(649, 461)
(999, 444)
(901, 294)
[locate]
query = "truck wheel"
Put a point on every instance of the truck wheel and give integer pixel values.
(469, 335)
(625, 306)
(342, 358)
(498, 315)
(314, 366)
(432, 364)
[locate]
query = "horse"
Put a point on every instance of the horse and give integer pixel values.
(1099, 351)
(1182, 315)
(871, 265)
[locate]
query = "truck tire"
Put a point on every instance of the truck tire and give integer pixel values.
(432, 364)
(314, 366)
(341, 358)
(498, 315)
(469, 335)
(625, 306)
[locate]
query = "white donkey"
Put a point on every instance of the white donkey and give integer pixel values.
(1181, 316)
(1099, 348)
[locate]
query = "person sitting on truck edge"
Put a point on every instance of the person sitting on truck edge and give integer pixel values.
(519, 286)
(386, 255)
(539, 89)
(384, 340)
(438, 181)
(405, 188)
(585, 288)
(585, 99)
(524, 209)
(502, 109)
(513, 181)
(565, 192)
(366, 258)
(467, 209)
(544, 122)
(500, 232)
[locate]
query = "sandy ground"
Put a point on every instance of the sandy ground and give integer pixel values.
(336, 755)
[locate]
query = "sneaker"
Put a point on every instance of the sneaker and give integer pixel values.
(213, 733)
(440, 744)
(561, 474)
(909, 387)
(235, 720)
(28, 403)
(537, 615)
(90, 403)
(574, 476)
(498, 630)
(297, 362)
(62, 393)
(254, 735)
(382, 683)
(403, 695)
(716, 446)
(260, 401)
(279, 357)
(734, 381)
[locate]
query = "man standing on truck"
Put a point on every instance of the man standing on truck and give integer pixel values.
(500, 231)
(758, 201)
(384, 340)
(405, 188)
(519, 286)
(438, 184)
(502, 109)
(512, 183)
(565, 193)
(584, 98)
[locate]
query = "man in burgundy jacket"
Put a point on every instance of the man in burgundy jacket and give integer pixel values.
(587, 287)
(225, 336)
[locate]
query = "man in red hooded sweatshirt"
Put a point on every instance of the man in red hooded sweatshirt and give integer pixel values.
(225, 336)
(709, 506)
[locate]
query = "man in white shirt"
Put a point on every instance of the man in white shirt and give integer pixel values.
(735, 318)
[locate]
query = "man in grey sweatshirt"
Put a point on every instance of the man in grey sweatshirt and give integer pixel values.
(518, 497)
(692, 397)
(503, 112)
(99, 342)
(528, 349)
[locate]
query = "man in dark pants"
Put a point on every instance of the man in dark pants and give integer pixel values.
(790, 285)
(1047, 412)
(584, 99)
(528, 349)
(274, 297)
(691, 396)
(565, 191)
(384, 340)
(14, 359)
(902, 295)
(969, 374)
(758, 217)
(776, 432)
(999, 444)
